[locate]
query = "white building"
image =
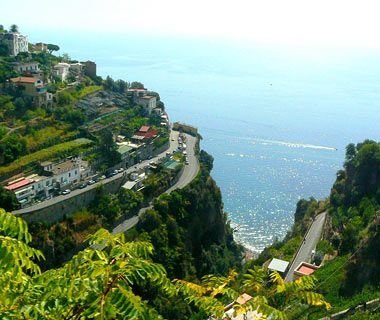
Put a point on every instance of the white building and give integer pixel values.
(148, 102)
(61, 70)
(16, 43)
(27, 67)
(76, 68)
(64, 173)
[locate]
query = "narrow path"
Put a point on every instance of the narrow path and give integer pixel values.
(308, 245)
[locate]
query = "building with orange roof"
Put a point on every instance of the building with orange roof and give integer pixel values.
(33, 87)
(304, 269)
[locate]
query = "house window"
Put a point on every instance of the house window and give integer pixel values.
(69, 174)
(76, 172)
(47, 183)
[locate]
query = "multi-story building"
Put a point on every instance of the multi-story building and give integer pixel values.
(90, 68)
(141, 97)
(15, 41)
(26, 67)
(23, 190)
(56, 176)
(35, 88)
(64, 173)
(76, 68)
(61, 70)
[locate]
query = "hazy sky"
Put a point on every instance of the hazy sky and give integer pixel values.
(301, 22)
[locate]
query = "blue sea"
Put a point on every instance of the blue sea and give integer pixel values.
(275, 119)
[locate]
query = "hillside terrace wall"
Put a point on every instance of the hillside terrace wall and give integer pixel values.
(58, 210)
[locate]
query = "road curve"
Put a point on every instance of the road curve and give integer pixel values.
(189, 173)
(308, 245)
(47, 203)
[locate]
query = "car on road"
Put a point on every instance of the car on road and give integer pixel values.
(120, 170)
(82, 185)
(91, 182)
(67, 191)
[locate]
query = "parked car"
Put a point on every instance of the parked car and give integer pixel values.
(102, 177)
(82, 185)
(67, 191)
(91, 182)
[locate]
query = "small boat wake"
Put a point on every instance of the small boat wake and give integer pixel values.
(292, 144)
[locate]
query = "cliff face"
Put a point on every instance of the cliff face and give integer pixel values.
(189, 229)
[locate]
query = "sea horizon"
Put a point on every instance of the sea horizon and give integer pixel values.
(275, 119)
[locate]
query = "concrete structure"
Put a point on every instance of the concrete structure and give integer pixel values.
(182, 127)
(147, 102)
(304, 269)
(35, 88)
(40, 47)
(61, 70)
(89, 68)
(64, 173)
(27, 67)
(76, 68)
(230, 312)
(145, 133)
(141, 97)
(22, 188)
(278, 265)
(15, 41)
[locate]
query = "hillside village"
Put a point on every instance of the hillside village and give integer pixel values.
(63, 127)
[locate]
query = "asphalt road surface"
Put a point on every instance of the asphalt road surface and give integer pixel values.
(308, 245)
(47, 203)
(189, 173)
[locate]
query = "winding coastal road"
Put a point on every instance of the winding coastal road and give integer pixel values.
(173, 146)
(190, 171)
(308, 245)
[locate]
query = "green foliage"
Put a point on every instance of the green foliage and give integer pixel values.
(8, 200)
(189, 230)
(11, 148)
(330, 278)
(96, 283)
(62, 149)
(64, 99)
(52, 47)
(271, 296)
(136, 85)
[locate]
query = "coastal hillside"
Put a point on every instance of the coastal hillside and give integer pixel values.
(348, 253)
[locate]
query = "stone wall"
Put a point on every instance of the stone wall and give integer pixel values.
(57, 211)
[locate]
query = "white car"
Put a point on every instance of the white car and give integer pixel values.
(67, 191)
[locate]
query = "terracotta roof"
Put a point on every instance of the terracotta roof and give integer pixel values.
(243, 298)
(24, 80)
(144, 129)
(19, 184)
(305, 268)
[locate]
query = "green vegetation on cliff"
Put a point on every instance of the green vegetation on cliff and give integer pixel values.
(352, 231)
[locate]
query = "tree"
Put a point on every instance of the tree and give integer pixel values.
(100, 282)
(137, 85)
(272, 298)
(8, 200)
(13, 28)
(65, 57)
(52, 47)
